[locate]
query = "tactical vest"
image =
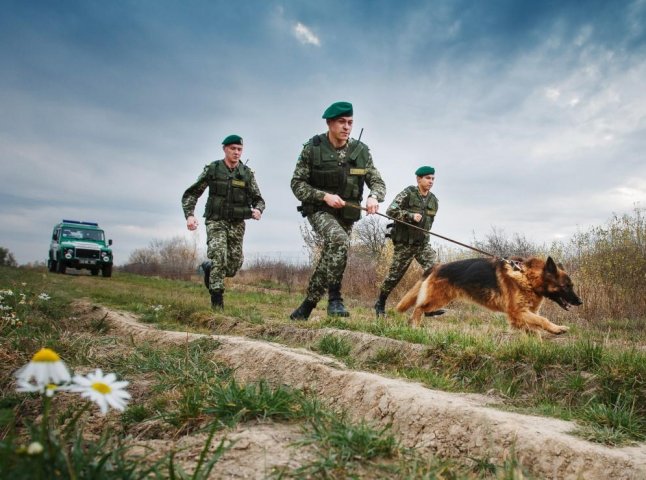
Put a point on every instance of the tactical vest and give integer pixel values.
(343, 177)
(228, 198)
(427, 207)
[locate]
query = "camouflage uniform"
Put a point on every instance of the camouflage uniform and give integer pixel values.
(224, 237)
(329, 225)
(412, 246)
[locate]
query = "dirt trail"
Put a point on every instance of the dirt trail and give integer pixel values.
(449, 425)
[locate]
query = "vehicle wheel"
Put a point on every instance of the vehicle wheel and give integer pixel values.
(51, 264)
(60, 266)
(94, 272)
(107, 271)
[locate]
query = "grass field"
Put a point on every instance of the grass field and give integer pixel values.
(595, 374)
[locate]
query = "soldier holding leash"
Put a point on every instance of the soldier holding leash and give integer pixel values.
(332, 170)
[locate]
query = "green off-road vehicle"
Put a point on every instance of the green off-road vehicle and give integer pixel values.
(80, 245)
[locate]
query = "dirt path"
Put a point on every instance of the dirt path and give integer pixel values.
(449, 425)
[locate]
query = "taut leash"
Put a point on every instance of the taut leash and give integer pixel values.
(419, 228)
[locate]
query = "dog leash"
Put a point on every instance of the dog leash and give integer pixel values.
(435, 234)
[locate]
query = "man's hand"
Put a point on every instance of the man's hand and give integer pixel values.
(417, 217)
(256, 214)
(333, 201)
(372, 205)
(191, 223)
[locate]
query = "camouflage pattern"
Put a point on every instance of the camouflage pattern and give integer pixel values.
(307, 193)
(331, 265)
(193, 193)
(402, 258)
(223, 237)
(224, 249)
(335, 233)
(397, 211)
(404, 254)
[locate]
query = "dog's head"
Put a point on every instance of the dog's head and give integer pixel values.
(558, 286)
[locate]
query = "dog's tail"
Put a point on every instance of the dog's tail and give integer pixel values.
(410, 298)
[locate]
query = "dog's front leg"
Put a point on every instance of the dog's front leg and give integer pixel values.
(416, 317)
(533, 321)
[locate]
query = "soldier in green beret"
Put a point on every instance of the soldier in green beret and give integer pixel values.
(418, 206)
(234, 196)
(330, 174)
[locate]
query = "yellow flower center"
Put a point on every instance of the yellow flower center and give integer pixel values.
(45, 355)
(51, 386)
(101, 388)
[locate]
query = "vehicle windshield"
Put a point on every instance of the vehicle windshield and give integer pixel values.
(82, 234)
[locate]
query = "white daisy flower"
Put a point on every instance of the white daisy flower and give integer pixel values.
(105, 391)
(44, 296)
(45, 367)
(35, 448)
(29, 387)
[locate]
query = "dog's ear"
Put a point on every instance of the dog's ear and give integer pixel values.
(550, 266)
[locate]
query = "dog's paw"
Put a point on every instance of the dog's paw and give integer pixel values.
(559, 329)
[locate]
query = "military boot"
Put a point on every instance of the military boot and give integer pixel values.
(206, 268)
(380, 306)
(303, 311)
(217, 299)
(335, 307)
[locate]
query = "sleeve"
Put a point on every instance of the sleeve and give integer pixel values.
(375, 182)
(397, 208)
(300, 180)
(193, 193)
(257, 201)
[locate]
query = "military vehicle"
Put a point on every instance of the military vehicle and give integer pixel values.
(80, 245)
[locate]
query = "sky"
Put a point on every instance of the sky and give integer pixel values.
(533, 113)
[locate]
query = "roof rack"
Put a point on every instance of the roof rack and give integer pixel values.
(81, 223)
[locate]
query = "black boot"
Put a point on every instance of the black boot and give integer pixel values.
(206, 267)
(303, 311)
(217, 299)
(380, 306)
(335, 307)
(435, 313)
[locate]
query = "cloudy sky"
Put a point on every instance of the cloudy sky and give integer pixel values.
(532, 112)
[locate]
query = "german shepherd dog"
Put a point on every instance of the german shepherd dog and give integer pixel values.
(516, 287)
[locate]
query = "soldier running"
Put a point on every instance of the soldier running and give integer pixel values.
(234, 196)
(332, 170)
(418, 206)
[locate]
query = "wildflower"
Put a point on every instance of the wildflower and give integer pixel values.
(35, 448)
(44, 296)
(45, 367)
(158, 308)
(24, 284)
(29, 387)
(105, 391)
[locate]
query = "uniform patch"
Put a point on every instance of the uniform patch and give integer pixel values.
(238, 183)
(357, 171)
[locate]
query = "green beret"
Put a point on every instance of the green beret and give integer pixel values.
(338, 109)
(425, 170)
(237, 139)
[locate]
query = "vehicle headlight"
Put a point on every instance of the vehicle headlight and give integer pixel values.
(106, 257)
(69, 253)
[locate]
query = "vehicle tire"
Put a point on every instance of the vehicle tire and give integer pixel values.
(94, 272)
(60, 266)
(51, 265)
(107, 270)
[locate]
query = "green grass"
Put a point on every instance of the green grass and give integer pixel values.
(600, 384)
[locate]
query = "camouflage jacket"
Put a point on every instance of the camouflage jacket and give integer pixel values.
(305, 192)
(193, 193)
(398, 208)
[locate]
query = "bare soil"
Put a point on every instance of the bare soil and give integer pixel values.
(458, 426)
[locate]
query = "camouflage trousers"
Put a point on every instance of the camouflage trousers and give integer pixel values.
(334, 256)
(402, 258)
(224, 249)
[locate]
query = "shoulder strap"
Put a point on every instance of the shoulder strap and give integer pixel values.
(357, 151)
(316, 151)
